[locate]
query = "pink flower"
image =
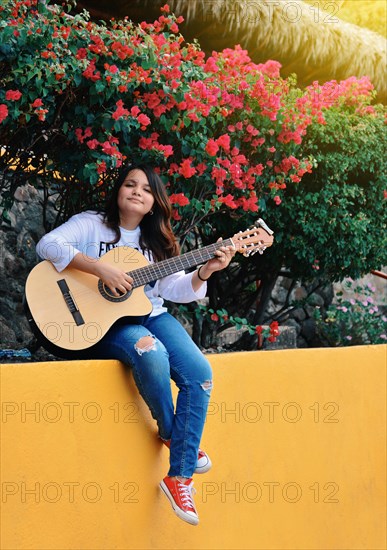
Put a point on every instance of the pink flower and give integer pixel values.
(13, 95)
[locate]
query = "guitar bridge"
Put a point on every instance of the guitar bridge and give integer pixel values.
(70, 302)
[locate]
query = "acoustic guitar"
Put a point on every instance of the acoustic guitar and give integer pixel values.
(74, 310)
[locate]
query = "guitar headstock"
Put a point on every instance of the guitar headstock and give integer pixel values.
(256, 238)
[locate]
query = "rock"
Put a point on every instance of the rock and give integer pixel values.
(271, 308)
(315, 300)
(287, 339)
(308, 330)
(293, 323)
(298, 293)
(327, 294)
(301, 342)
(299, 314)
(309, 310)
(26, 247)
(279, 294)
(7, 335)
(229, 336)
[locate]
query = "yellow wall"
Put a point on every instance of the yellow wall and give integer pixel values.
(297, 439)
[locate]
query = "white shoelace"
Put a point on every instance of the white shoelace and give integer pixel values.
(186, 492)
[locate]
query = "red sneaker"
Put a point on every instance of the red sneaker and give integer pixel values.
(204, 462)
(180, 496)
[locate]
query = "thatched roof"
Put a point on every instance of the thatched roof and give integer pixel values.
(314, 44)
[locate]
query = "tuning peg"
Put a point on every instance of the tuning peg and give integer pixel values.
(262, 224)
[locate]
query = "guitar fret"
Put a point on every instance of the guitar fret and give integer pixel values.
(158, 270)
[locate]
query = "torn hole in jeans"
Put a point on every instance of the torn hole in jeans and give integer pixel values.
(207, 385)
(145, 344)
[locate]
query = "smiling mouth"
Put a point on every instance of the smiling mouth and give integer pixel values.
(135, 200)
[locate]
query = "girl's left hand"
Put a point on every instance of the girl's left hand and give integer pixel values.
(223, 257)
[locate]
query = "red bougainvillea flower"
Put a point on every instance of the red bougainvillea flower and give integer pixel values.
(214, 317)
(212, 147)
(228, 201)
(92, 143)
(37, 103)
(101, 167)
(179, 198)
(258, 330)
(12, 95)
(274, 330)
(3, 112)
(144, 120)
(277, 200)
(82, 136)
(186, 169)
(81, 53)
(41, 113)
(121, 50)
(120, 111)
(224, 141)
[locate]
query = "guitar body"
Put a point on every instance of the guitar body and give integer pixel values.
(50, 305)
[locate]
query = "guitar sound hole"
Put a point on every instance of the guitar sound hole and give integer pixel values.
(108, 295)
(109, 292)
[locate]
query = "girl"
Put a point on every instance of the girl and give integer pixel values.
(138, 215)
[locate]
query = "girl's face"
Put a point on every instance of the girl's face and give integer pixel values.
(135, 198)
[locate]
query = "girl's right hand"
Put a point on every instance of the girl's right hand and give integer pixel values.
(114, 278)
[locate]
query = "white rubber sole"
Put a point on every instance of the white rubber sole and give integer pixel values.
(205, 468)
(185, 516)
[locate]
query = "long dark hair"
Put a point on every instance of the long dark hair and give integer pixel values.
(156, 231)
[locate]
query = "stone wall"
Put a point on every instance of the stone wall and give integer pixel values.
(18, 240)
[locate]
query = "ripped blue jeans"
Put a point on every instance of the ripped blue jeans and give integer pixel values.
(158, 351)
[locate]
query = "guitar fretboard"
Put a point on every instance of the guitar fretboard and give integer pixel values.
(158, 270)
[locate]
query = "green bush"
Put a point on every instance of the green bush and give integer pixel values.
(354, 321)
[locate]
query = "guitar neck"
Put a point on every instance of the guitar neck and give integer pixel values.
(158, 270)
